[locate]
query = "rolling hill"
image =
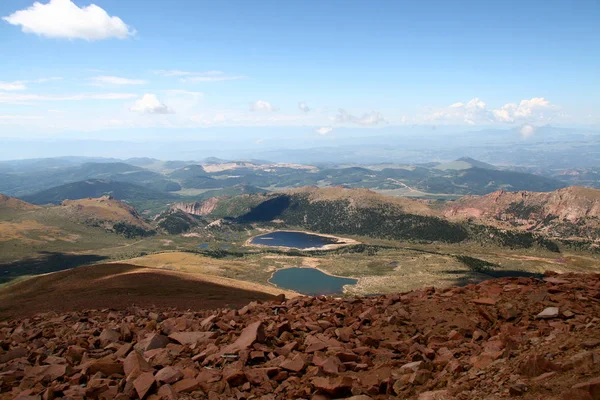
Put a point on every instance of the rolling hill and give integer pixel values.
(12, 204)
(95, 188)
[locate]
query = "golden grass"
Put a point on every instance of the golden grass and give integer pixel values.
(23, 231)
(105, 209)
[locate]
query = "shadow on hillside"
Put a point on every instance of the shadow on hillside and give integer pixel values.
(46, 262)
(267, 210)
(463, 278)
(120, 286)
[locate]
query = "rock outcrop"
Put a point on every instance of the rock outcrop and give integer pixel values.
(197, 208)
(511, 337)
(572, 212)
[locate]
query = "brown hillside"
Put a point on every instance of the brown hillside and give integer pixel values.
(10, 203)
(119, 286)
(105, 209)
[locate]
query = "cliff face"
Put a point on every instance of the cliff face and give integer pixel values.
(197, 208)
(569, 212)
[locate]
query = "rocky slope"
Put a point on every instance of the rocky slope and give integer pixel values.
(503, 338)
(569, 213)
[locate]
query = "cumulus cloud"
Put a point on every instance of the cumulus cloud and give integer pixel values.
(525, 110)
(324, 130)
(115, 80)
(303, 107)
(7, 98)
(527, 130)
(64, 19)
(262, 105)
(475, 111)
(368, 119)
(150, 104)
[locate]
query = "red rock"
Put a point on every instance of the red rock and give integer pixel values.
(331, 366)
(435, 395)
(109, 336)
(144, 384)
(186, 385)
(168, 375)
(296, 364)
(167, 392)
(420, 377)
(252, 333)
(336, 387)
(134, 365)
(537, 365)
(191, 338)
(208, 376)
(208, 322)
(106, 367)
(17, 352)
(313, 344)
(548, 313)
(234, 375)
(485, 301)
(152, 341)
(344, 334)
(592, 387)
(283, 327)
(411, 367)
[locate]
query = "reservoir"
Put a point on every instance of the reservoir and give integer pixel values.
(298, 240)
(310, 281)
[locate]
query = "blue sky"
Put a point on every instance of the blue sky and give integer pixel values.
(156, 68)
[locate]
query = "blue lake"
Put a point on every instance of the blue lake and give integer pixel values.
(298, 240)
(310, 281)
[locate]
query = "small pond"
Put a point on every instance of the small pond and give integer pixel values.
(310, 281)
(298, 240)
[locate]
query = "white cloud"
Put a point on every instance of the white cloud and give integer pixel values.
(262, 105)
(303, 107)
(475, 112)
(526, 110)
(173, 72)
(324, 130)
(64, 19)
(12, 86)
(28, 98)
(527, 130)
(22, 85)
(19, 117)
(115, 80)
(212, 78)
(150, 104)
(207, 76)
(369, 119)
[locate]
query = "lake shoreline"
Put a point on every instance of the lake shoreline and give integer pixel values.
(318, 269)
(341, 241)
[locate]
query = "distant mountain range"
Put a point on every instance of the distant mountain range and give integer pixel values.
(54, 180)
